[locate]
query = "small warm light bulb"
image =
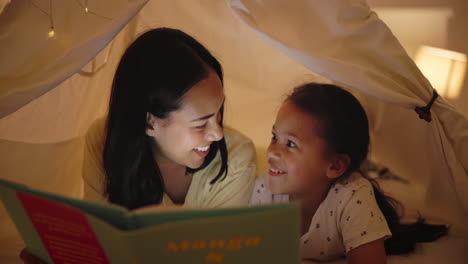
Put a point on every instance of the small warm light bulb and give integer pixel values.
(51, 32)
(86, 10)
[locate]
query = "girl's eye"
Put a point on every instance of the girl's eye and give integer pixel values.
(291, 144)
(202, 126)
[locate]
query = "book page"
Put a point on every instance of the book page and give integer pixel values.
(64, 231)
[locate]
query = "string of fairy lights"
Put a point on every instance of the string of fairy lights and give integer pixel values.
(49, 13)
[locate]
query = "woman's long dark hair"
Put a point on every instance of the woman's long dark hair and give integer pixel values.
(154, 73)
(346, 130)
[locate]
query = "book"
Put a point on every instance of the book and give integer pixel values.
(64, 230)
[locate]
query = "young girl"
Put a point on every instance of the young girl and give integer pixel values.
(320, 138)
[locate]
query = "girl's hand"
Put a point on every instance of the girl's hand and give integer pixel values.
(29, 258)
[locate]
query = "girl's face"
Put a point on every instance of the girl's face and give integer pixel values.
(185, 136)
(297, 156)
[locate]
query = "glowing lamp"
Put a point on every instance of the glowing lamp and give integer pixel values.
(444, 69)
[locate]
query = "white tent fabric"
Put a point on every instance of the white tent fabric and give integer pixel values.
(342, 40)
(32, 70)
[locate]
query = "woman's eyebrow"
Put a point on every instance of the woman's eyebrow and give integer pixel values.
(202, 118)
(207, 116)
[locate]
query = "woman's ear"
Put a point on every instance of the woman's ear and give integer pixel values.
(150, 124)
(339, 163)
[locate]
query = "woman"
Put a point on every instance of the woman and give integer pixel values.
(163, 141)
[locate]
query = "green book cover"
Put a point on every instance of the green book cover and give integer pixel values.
(63, 230)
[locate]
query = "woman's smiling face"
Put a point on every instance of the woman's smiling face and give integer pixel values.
(185, 136)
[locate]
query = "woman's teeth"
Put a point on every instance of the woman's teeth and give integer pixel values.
(203, 148)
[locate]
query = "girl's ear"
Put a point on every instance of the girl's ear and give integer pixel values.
(150, 124)
(339, 163)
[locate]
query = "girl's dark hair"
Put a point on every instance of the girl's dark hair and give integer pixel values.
(154, 73)
(345, 128)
